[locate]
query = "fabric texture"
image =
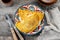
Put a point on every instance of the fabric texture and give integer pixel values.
(50, 32)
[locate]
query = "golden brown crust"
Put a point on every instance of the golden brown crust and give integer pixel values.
(29, 20)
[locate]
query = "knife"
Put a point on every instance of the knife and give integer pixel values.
(13, 26)
(12, 31)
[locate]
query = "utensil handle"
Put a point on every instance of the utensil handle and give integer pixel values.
(13, 34)
(12, 25)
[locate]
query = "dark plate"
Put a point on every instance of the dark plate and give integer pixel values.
(32, 7)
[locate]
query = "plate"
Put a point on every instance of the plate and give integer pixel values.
(32, 8)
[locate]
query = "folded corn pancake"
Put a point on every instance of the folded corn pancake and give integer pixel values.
(29, 20)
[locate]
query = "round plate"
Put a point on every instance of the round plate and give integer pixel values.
(33, 8)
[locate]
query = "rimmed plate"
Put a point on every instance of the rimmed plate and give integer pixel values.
(32, 8)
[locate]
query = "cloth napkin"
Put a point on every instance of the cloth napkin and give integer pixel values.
(53, 18)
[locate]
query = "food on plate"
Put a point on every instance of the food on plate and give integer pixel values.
(28, 20)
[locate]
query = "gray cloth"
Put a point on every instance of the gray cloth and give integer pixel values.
(53, 18)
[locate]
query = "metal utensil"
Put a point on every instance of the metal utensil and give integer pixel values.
(12, 31)
(11, 23)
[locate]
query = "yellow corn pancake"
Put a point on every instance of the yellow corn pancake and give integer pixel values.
(29, 20)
